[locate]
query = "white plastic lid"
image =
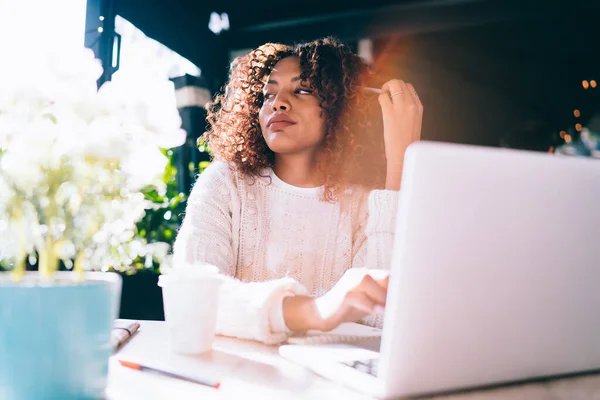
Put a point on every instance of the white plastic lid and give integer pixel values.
(189, 272)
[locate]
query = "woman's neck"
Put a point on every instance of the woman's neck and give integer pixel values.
(298, 170)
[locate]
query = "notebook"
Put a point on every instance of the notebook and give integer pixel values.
(346, 332)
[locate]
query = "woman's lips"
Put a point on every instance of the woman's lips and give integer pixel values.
(280, 125)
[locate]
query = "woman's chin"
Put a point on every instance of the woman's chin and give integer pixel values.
(282, 144)
(282, 148)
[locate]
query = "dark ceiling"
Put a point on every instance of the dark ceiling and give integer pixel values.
(492, 63)
(183, 24)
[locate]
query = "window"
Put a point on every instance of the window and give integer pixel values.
(143, 55)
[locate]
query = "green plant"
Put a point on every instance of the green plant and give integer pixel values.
(73, 162)
(161, 222)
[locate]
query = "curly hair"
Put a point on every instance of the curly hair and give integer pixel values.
(351, 154)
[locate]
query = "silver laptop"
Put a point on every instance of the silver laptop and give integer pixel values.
(495, 276)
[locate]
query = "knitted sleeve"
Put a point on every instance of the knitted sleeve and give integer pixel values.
(374, 236)
(207, 236)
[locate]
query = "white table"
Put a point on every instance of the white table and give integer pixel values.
(252, 370)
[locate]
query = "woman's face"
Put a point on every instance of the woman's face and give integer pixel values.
(290, 117)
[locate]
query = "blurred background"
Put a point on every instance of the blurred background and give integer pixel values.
(518, 74)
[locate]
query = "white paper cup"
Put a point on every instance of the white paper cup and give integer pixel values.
(191, 297)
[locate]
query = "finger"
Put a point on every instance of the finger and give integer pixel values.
(387, 108)
(360, 301)
(390, 86)
(374, 290)
(414, 96)
(400, 92)
(381, 276)
(377, 274)
(406, 97)
(384, 283)
(419, 117)
(395, 89)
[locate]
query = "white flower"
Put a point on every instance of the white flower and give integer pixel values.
(74, 158)
(145, 165)
(152, 105)
(158, 250)
(105, 138)
(8, 241)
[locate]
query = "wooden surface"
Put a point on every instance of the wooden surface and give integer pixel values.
(252, 370)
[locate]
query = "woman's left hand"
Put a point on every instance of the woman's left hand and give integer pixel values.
(402, 120)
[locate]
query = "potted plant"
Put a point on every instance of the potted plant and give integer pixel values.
(74, 162)
(154, 237)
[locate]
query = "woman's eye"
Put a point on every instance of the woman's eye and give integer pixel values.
(304, 91)
(301, 91)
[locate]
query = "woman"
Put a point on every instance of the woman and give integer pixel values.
(288, 208)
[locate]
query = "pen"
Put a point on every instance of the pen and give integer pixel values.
(188, 378)
(372, 90)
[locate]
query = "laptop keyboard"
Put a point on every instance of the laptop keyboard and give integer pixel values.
(370, 366)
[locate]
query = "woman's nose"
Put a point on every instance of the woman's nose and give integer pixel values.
(281, 102)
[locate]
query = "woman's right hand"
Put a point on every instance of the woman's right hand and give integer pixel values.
(359, 292)
(402, 120)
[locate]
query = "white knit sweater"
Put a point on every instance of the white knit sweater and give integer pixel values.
(275, 240)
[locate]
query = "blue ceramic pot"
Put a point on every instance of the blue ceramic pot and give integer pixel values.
(55, 338)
